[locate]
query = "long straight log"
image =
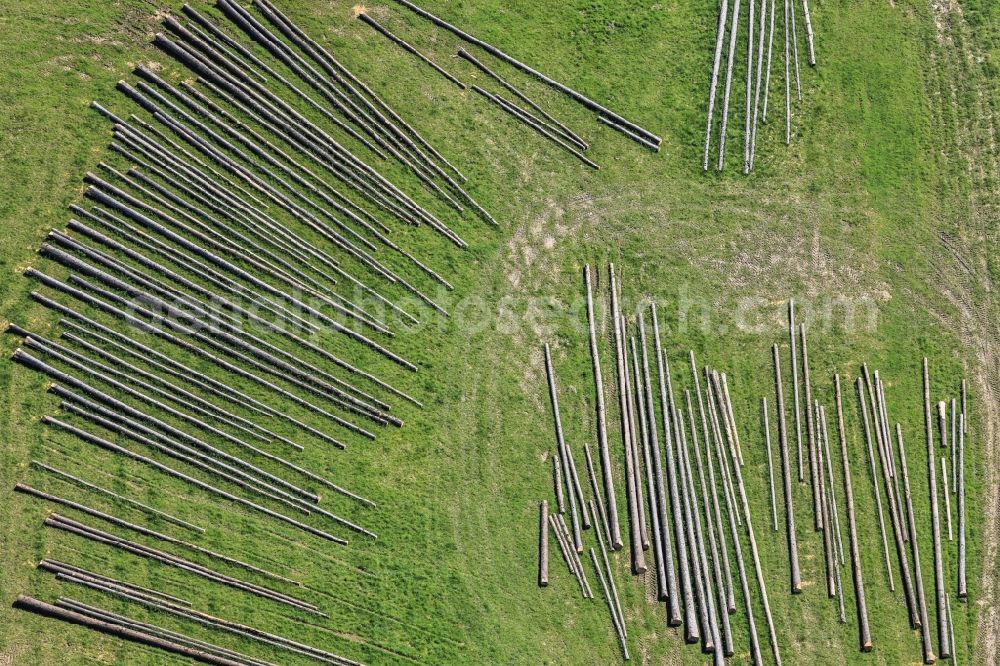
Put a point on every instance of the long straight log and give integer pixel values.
(565, 549)
(733, 431)
(592, 476)
(619, 629)
(748, 115)
(897, 532)
(861, 604)
(812, 444)
(718, 609)
(951, 633)
(795, 51)
(588, 592)
(947, 498)
(720, 34)
(674, 599)
(608, 571)
(634, 442)
(944, 640)
(48, 610)
(786, 476)
(730, 604)
(963, 586)
(717, 412)
(925, 627)
(578, 489)
(765, 424)
(603, 450)
(558, 483)
(680, 537)
(874, 480)
(713, 449)
(965, 405)
(698, 574)
(887, 438)
(756, 96)
(770, 49)
(793, 354)
(730, 63)
(809, 33)
(954, 446)
(543, 544)
(755, 556)
(130, 502)
(559, 127)
(788, 76)
(492, 50)
(834, 513)
(632, 478)
(829, 548)
(662, 558)
(56, 567)
(711, 633)
(550, 375)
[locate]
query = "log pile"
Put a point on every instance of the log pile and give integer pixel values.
(697, 476)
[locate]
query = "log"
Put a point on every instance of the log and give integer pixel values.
(633, 429)
(705, 633)
(755, 652)
(965, 405)
(65, 524)
(588, 592)
(809, 34)
(578, 489)
(730, 62)
(56, 567)
(925, 627)
(793, 354)
(897, 531)
(669, 438)
(718, 610)
(874, 480)
(748, 116)
(788, 79)
(786, 475)
(951, 634)
(717, 407)
(812, 440)
(543, 544)
(756, 96)
(834, 510)
(731, 419)
(770, 462)
(770, 48)
(963, 585)
(633, 479)
(944, 640)
(795, 51)
(592, 476)
(954, 446)
(130, 502)
(720, 34)
(730, 604)
(619, 629)
(829, 549)
(558, 483)
(861, 604)
(567, 133)
(492, 50)
(662, 558)
(37, 607)
(536, 124)
(711, 635)
(114, 520)
(565, 549)
(947, 498)
(607, 568)
(887, 439)
(550, 375)
(603, 450)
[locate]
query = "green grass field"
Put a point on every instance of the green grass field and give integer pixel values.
(879, 220)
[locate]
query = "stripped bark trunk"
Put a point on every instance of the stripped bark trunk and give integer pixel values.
(654, 487)
(765, 421)
(944, 640)
(874, 480)
(963, 586)
(608, 570)
(925, 628)
(730, 598)
(829, 549)
(793, 353)
(730, 62)
(643, 527)
(720, 34)
(561, 443)
(861, 604)
(815, 469)
(543, 544)
(786, 476)
(770, 48)
(619, 628)
(748, 115)
(809, 33)
(602, 424)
